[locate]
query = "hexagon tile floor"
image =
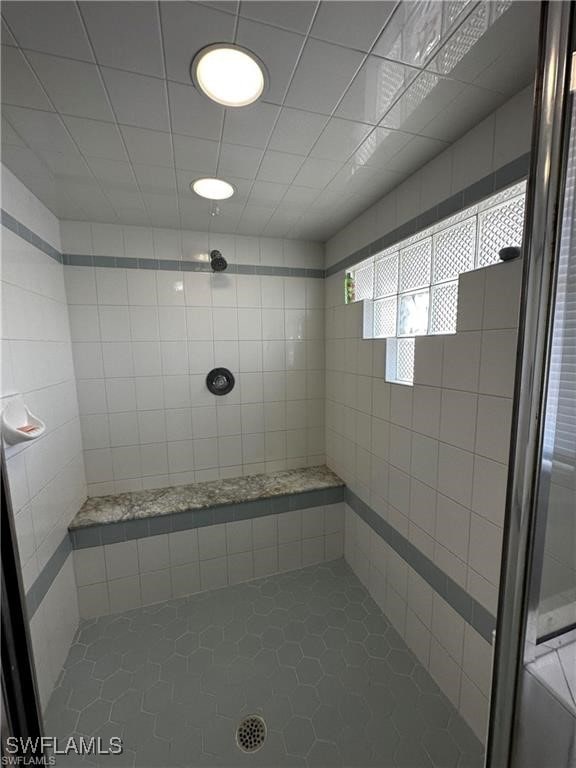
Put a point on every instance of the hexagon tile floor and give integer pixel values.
(309, 650)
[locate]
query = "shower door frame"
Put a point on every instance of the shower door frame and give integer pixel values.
(21, 712)
(524, 531)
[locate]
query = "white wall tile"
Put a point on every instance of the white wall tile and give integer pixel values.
(107, 240)
(498, 363)
(455, 469)
(185, 579)
(312, 551)
(111, 285)
(124, 594)
(153, 553)
(426, 410)
(493, 428)
(89, 566)
(462, 361)
(265, 532)
(473, 155)
(489, 490)
(265, 561)
(452, 526)
(155, 587)
(80, 285)
(477, 659)
(485, 548)
(212, 542)
(502, 296)
(290, 526)
(240, 567)
(423, 506)
(213, 573)
(428, 360)
(121, 559)
(458, 419)
(471, 287)
(424, 466)
(183, 547)
(448, 628)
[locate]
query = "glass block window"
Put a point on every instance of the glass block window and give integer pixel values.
(364, 281)
(444, 307)
(385, 311)
(405, 361)
(413, 313)
(415, 264)
(498, 227)
(386, 276)
(454, 251)
(414, 283)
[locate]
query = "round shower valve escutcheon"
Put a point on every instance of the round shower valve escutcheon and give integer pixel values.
(220, 381)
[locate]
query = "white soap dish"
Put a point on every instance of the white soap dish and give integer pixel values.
(19, 424)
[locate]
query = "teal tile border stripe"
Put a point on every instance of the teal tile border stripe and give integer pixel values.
(176, 265)
(509, 174)
(47, 575)
(22, 231)
(464, 604)
(122, 262)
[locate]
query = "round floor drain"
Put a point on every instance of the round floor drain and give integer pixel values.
(251, 733)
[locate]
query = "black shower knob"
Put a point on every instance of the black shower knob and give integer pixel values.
(220, 381)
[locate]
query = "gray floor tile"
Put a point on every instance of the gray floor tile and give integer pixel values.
(299, 736)
(305, 700)
(308, 650)
(116, 685)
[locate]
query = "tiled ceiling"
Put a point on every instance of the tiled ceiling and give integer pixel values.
(101, 120)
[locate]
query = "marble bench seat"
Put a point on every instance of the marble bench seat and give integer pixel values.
(145, 547)
(139, 514)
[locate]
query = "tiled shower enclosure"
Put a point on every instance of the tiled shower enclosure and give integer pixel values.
(354, 615)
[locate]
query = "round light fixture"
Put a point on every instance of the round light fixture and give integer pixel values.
(228, 74)
(212, 189)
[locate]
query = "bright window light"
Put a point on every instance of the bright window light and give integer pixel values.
(213, 189)
(229, 75)
(413, 313)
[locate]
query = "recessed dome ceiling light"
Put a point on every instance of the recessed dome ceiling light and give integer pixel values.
(228, 74)
(213, 189)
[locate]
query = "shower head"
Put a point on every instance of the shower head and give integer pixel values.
(217, 261)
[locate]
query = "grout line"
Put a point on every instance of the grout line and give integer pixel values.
(171, 132)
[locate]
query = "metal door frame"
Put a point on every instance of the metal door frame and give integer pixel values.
(21, 714)
(523, 532)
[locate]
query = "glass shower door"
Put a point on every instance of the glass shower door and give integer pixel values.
(556, 612)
